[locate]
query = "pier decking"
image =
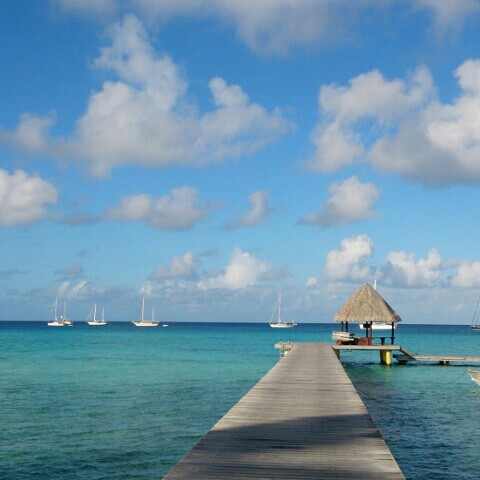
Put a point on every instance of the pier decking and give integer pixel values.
(302, 420)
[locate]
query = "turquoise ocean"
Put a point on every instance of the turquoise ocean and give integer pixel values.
(119, 402)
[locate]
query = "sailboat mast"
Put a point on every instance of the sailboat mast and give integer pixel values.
(95, 312)
(153, 313)
(64, 309)
(280, 308)
(143, 306)
(103, 314)
(56, 303)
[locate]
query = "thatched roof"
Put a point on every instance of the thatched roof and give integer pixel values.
(366, 305)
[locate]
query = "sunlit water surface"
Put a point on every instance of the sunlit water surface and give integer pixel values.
(114, 402)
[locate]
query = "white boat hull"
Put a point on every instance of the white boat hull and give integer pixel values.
(380, 326)
(145, 324)
(56, 324)
(97, 324)
(283, 325)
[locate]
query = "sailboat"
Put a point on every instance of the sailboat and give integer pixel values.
(280, 323)
(143, 322)
(475, 325)
(56, 322)
(66, 321)
(92, 317)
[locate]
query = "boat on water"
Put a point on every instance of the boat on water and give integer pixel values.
(475, 324)
(92, 317)
(474, 375)
(279, 323)
(378, 326)
(66, 321)
(143, 322)
(63, 321)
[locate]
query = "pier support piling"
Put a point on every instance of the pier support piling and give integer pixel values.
(386, 357)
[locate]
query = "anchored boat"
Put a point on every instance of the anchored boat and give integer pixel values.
(56, 322)
(92, 317)
(280, 323)
(143, 322)
(475, 325)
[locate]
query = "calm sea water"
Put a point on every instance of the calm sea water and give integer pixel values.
(118, 402)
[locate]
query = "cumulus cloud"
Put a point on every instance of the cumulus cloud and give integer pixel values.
(24, 198)
(467, 275)
(268, 28)
(414, 134)
(258, 212)
(347, 264)
(244, 270)
(278, 27)
(182, 209)
(143, 116)
(368, 97)
(181, 268)
(350, 202)
(448, 14)
(401, 270)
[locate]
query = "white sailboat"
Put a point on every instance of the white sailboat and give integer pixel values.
(92, 317)
(280, 323)
(143, 322)
(475, 325)
(56, 322)
(66, 321)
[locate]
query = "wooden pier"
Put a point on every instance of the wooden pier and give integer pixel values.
(386, 354)
(302, 420)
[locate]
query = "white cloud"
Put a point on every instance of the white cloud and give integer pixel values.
(276, 27)
(244, 270)
(144, 117)
(181, 268)
(24, 198)
(348, 263)
(448, 14)
(350, 202)
(368, 97)
(414, 134)
(401, 270)
(257, 213)
(63, 289)
(467, 275)
(312, 282)
(182, 209)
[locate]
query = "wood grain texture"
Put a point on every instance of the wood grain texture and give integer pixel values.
(302, 420)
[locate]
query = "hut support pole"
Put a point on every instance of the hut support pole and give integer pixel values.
(386, 357)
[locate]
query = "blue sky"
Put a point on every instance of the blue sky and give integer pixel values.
(209, 154)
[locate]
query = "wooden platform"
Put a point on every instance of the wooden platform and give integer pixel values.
(302, 420)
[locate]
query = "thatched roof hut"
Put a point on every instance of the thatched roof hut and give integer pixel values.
(367, 305)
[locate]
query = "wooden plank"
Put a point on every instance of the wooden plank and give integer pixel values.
(302, 420)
